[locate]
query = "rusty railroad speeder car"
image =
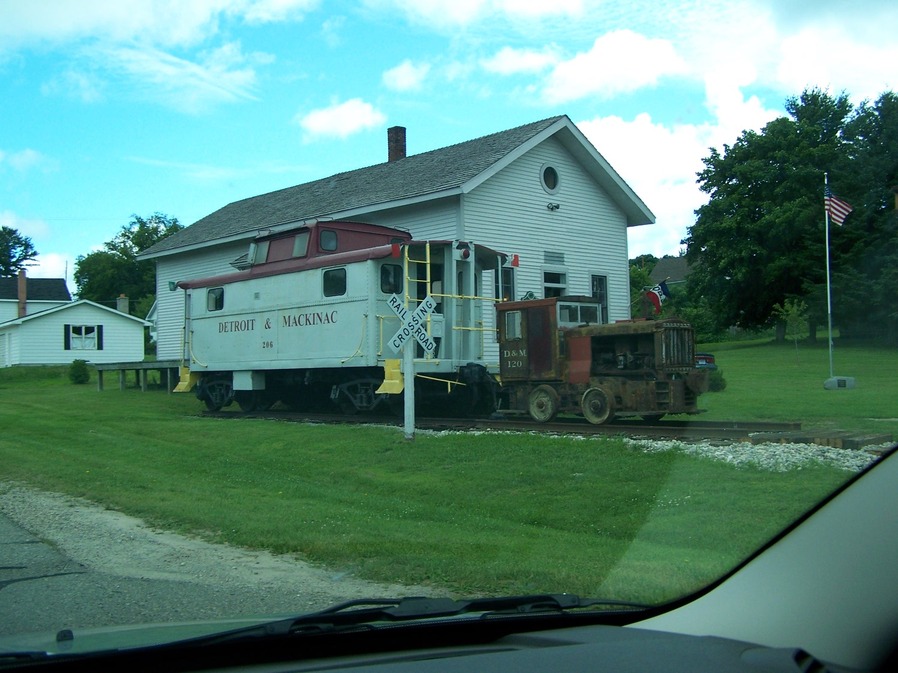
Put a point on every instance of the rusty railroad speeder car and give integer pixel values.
(556, 358)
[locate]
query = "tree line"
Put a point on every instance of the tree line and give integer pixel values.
(103, 275)
(757, 249)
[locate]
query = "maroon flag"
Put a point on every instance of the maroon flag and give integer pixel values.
(837, 208)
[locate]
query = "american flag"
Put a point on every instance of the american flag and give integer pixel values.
(837, 208)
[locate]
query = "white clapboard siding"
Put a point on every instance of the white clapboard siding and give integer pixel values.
(210, 261)
(40, 340)
(509, 212)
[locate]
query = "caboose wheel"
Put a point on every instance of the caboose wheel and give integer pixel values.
(543, 404)
(253, 400)
(217, 393)
(596, 406)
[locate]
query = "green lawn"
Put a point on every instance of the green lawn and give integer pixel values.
(766, 381)
(470, 513)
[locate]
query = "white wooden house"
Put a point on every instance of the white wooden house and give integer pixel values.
(539, 191)
(20, 296)
(79, 330)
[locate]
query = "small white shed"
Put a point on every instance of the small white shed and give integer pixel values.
(80, 330)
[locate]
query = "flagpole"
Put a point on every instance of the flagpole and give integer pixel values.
(829, 297)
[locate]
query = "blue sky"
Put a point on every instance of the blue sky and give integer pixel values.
(183, 106)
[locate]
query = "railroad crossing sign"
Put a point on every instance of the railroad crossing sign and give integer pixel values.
(412, 324)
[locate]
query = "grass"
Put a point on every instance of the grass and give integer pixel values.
(767, 381)
(487, 514)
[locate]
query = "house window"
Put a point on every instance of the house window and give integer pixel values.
(506, 291)
(83, 337)
(554, 284)
(599, 290)
(334, 282)
(548, 177)
(215, 299)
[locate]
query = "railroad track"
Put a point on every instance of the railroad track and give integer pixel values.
(692, 430)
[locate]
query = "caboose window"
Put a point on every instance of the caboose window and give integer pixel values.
(301, 244)
(215, 299)
(327, 239)
(391, 279)
(334, 282)
(258, 252)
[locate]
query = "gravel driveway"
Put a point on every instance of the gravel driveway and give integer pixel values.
(67, 563)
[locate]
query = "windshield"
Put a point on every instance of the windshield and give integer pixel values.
(644, 323)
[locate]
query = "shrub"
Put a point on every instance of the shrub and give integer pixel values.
(716, 382)
(78, 372)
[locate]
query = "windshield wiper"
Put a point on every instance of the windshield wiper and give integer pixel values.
(373, 612)
(401, 609)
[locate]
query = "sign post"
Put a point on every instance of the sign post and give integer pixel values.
(411, 331)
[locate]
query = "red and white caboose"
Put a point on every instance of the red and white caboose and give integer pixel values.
(306, 320)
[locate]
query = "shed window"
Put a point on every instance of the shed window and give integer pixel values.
(334, 282)
(215, 299)
(83, 337)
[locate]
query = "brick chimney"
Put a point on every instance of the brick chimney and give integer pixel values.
(396, 143)
(121, 304)
(23, 294)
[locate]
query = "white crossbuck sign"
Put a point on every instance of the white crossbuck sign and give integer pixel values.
(413, 324)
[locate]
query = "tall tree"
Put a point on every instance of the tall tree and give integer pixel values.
(103, 275)
(15, 251)
(866, 249)
(759, 240)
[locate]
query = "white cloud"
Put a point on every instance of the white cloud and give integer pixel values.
(25, 160)
(443, 15)
(539, 8)
(340, 120)
(200, 172)
(79, 83)
(406, 76)
(831, 58)
(164, 23)
(332, 30)
(660, 162)
(267, 11)
(510, 61)
(26, 227)
(220, 75)
(618, 62)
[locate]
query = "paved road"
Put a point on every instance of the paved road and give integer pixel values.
(69, 564)
(42, 589)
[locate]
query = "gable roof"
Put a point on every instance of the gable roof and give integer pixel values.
(69, 307)
(671, 269)
(37, 289)
(421, 177)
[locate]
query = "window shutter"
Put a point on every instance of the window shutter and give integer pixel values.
(67, 344)
(99, 337)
